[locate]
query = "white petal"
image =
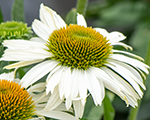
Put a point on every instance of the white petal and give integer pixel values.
(25, 55)
(22, 50)
(39, 87)
(56, 114)
(22, 44)
(54, 100)
(38, 99)
(123, 73)
(7, 76)
(102, 31)
(51, 18)
(131, 72)
(115, 37)
(133, 55)
(93, 86)
(62, 107)
(131, 61)
(79, 108)
(68, 102)
(63, 83)
(74, 84)
(37, 72)
(46, 16)
(42, 30)
(59, 21)
(80, 20)
(37, 39)
(69, 81)
(53, 79)
(125, 86)
(21, 64)
(122, 44)
(115, 83)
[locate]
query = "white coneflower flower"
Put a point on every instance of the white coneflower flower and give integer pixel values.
(16, 103)
(77, 59)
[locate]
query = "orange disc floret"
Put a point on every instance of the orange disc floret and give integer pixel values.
(15, 102)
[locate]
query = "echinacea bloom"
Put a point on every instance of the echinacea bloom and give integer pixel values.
(78, 59)
(17, 103)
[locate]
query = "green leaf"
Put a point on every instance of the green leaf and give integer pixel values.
(2, 64)
(143, 113)
(1, 16)
(124, 14)
(88, 106)
(82, 6)
(96, 113)
(71, 16)
(18, 11)
(109, 112)
(140, 38)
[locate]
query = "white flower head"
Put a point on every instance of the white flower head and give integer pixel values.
(77, 59)
(25, 104)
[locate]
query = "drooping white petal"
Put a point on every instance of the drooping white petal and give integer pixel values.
(68, 102)
(131, 61)
(39, 98)
(93, 86)
(115, 37)
(127, 53)
(125, 86)
(63, 83)
(69, 81)
(62, 107)
(21, 64)
(123, 73)
(57, 115)
(38, 72)
(80, 20)
(39, 87)
(7, 76)
(130, 71)
(54, 100)
(74, 84)
(79, 108)
(82, 88)
(42, 30)
(122, 44)
(53, 79)
(130, 99)
(115, 83)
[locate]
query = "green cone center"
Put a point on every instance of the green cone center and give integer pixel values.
(14, 30)
(79, 47)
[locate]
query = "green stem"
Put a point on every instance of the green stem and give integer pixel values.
(134, 111)
(1, 16)
(82, 6)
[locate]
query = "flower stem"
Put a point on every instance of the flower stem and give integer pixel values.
(134, 111)
(82, 6)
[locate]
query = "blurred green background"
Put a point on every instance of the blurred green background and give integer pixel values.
(131, 17)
